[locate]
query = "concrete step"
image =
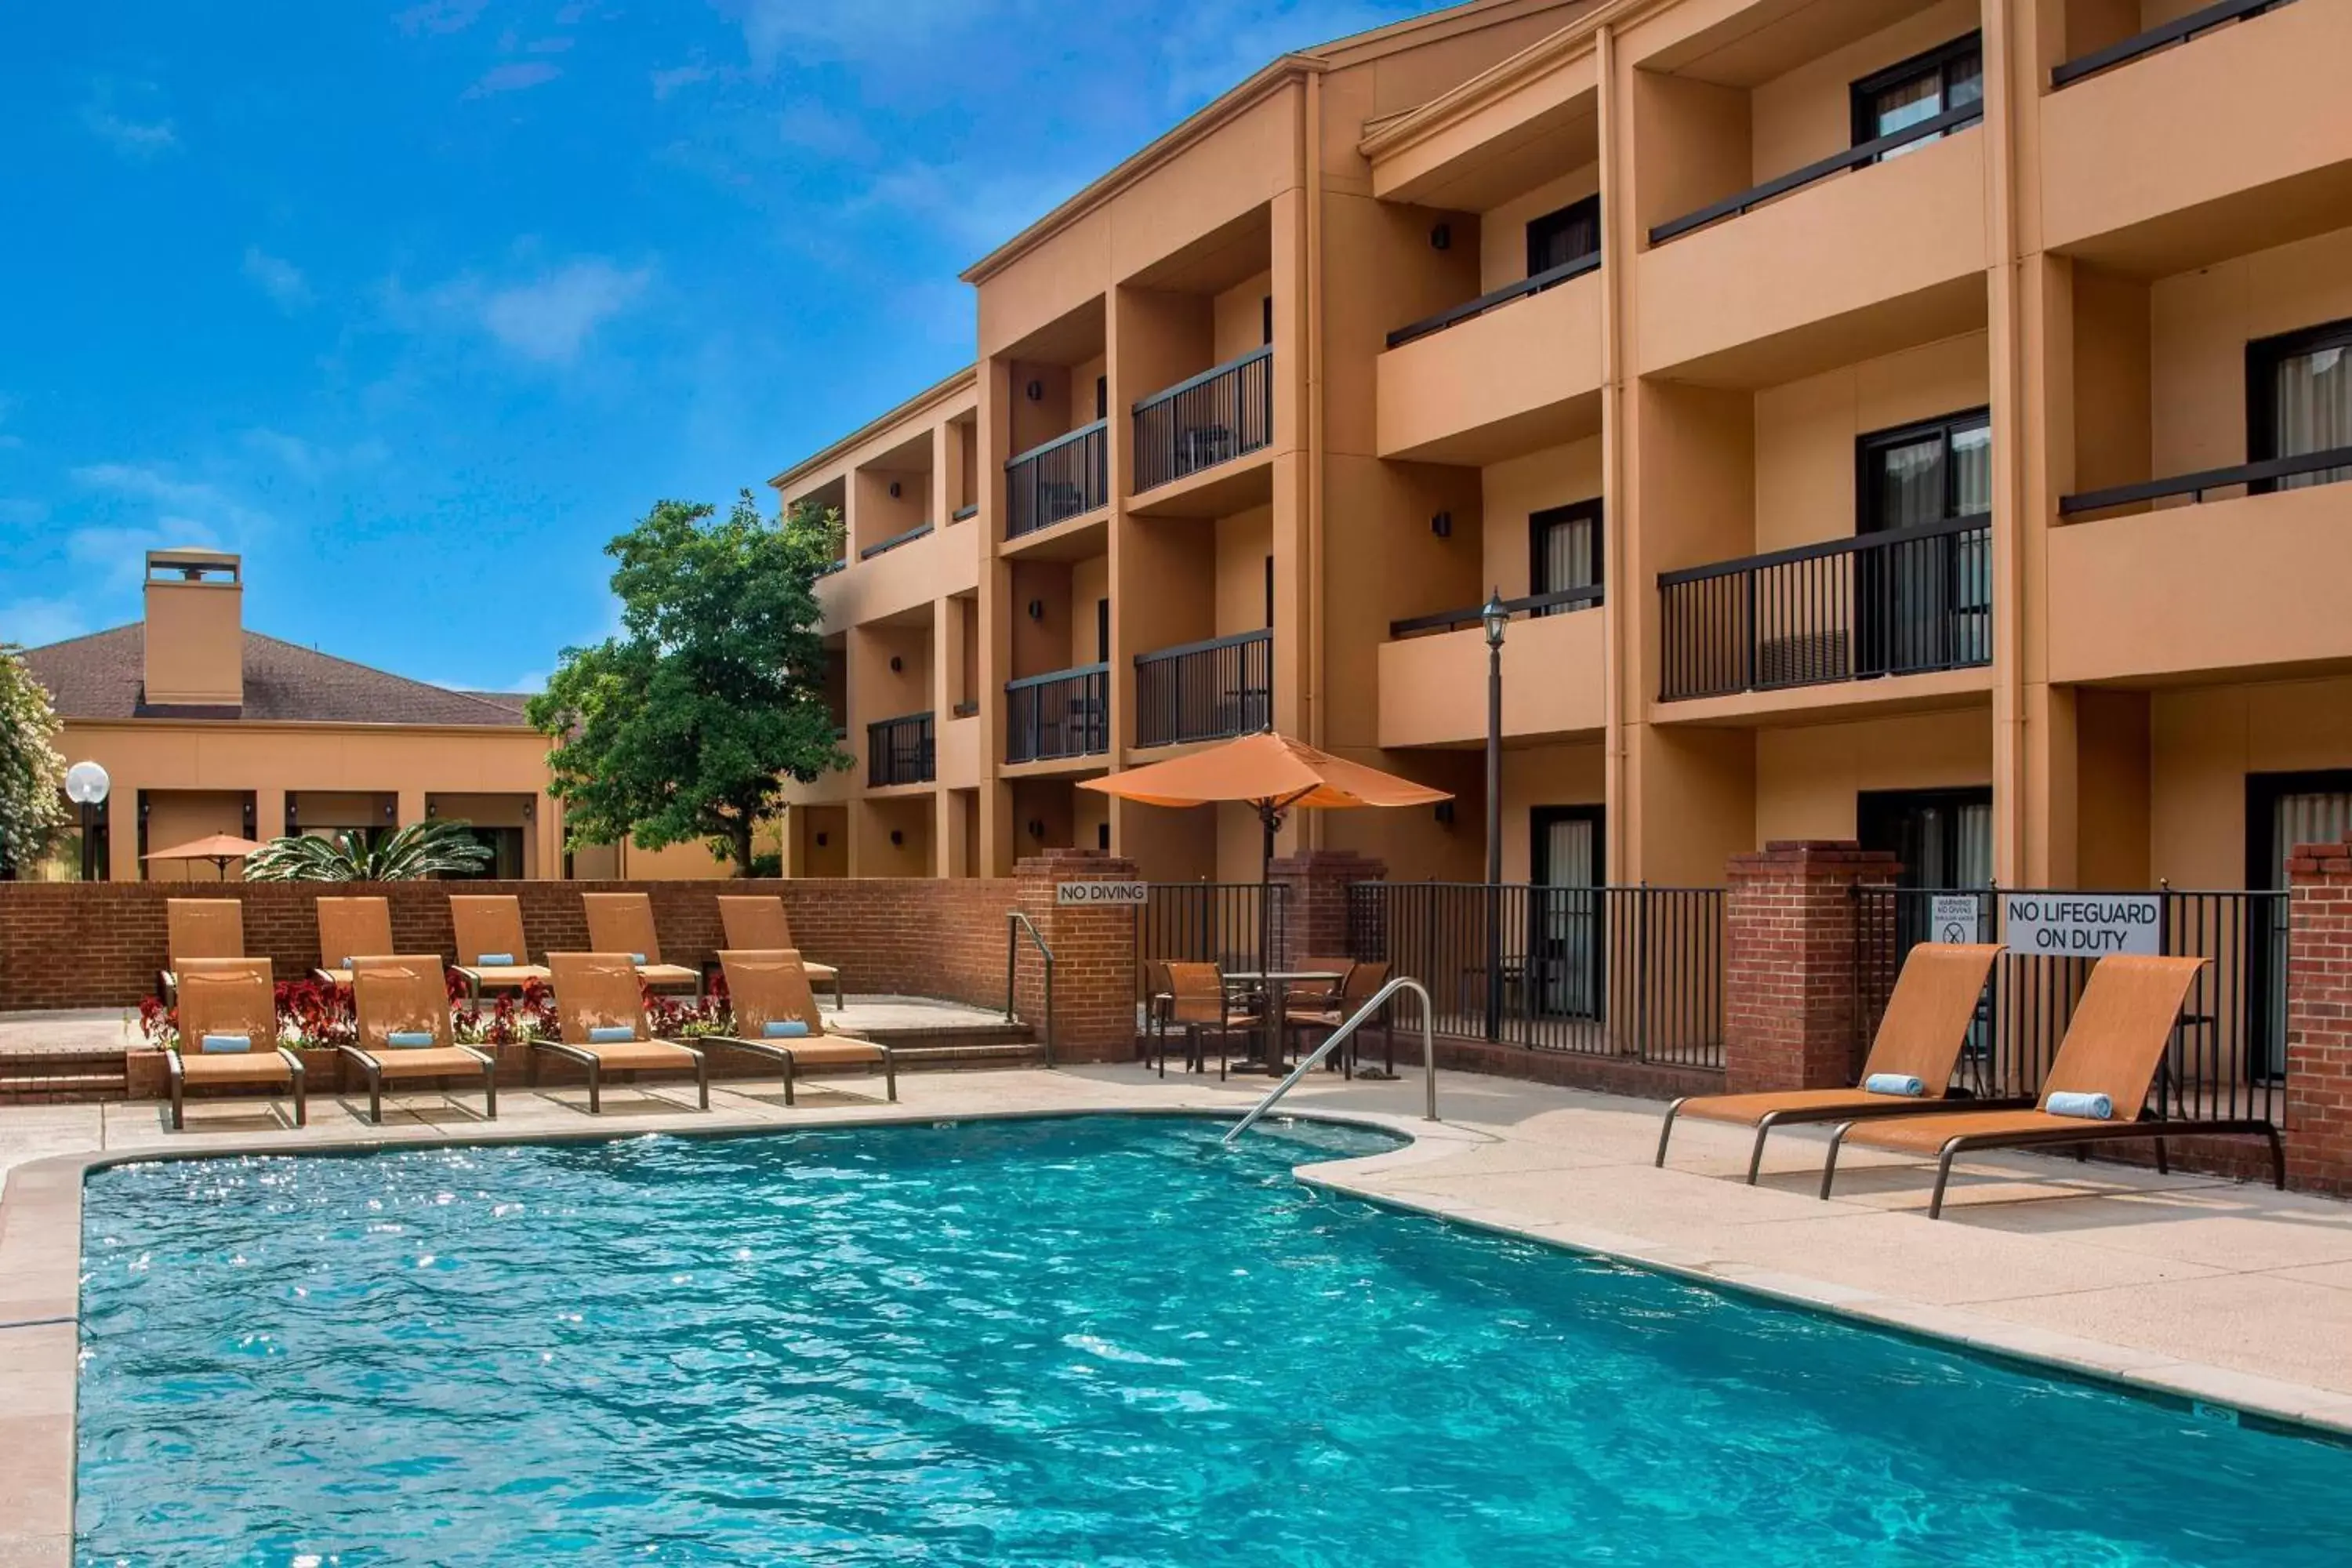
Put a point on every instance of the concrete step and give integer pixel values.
(967, 1058)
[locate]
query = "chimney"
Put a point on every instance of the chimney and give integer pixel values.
(196, 629)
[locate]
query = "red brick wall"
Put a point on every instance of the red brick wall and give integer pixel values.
(70, 945)
(1314, 900)
(1792, 985)
(1094, 957)
(2319, 1018)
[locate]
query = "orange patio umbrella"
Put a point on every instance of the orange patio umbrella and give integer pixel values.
(220, 848)
(1272, 772)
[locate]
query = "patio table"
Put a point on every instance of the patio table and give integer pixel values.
(1277, 983)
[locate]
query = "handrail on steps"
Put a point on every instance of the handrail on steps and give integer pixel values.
(1015, 923)
(1380, 999)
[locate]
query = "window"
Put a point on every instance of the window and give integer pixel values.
(1560, 238)
(1102, 397)
(1942, 837)
(2299, 400)
(1924, 604)
(1563, 550)
(1564, 943)
(1933, 471)
(1921, 88)
(2284, 810)
(505, 844)
(1265, 312)
(1269, 593)
(1102, 631)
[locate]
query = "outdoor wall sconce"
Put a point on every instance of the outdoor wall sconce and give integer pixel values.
(1102, 835)
(1442, 525)
(432, 810)
(820, 840)
(893, 490)
(391, 810)
(530, 808)
(896, 839)
(896, 664)
(1036, 391)
(1036, 829)
(1036, 609)
(1442, 238)
(1444, 813)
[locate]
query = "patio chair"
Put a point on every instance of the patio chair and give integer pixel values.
(776, 1017)
(491, 952)
(1358, 983)
(1159, 1000)
(600, 1010)
(1912, 1056)
(2114, 1046)
(756, 924)
(1198, 1004)
(228, 1034)
(623, 923)
(197, 928)
(402, 1005)
(349, 929)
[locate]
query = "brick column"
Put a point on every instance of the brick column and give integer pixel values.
(2319, 1018)
(1093, 956)
(1791, 980)
(1314, 895)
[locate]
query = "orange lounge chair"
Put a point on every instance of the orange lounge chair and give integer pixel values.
(491, 954)
(600, 1008)
(770, 994)
(349, 929)
(756, 924)
(623, 923)
(197, 928)
(2113, 1048)
(228, 1034)
(402, 1005)
(1925, 1023)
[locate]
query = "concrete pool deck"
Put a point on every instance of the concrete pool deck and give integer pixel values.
(2186, 1285)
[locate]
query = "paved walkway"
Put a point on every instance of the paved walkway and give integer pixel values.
(2188, 1284)
(73, 1030)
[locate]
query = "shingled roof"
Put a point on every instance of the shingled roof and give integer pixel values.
(99, 677)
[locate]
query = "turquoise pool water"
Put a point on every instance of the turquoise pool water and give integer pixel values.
(1098, 1340)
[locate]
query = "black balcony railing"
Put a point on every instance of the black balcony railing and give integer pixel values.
(1204, 691)
(1854, 157)
(1064, 714)
(1214, 417)
(1066, 478)
(900, 751)
(2173, 32)
(895, 540)
(1549, 279)
(1902, 602)
(1558, 603)
(2194, 486)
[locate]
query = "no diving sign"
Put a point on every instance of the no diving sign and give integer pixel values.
(1952, 919)
(1095, 895)
(2083, 925)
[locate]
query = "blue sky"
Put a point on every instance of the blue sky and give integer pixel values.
(418, 303)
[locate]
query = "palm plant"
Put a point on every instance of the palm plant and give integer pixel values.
(419, 850)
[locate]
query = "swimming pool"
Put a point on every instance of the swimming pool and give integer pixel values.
(1098, 1340)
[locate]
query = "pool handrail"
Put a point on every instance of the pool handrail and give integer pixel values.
(1378, 1000)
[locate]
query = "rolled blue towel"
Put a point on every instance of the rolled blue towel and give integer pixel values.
(2088, 1107)
(495, 960)
(611, 1035)
(784, 1029)
(409, 1039)
(1902, 1083)
(225, 1043)
(636, 958)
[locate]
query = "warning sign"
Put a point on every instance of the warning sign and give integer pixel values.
(2083, 925)
(1952, 919)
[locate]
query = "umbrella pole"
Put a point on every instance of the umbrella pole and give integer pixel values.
(1268, 818)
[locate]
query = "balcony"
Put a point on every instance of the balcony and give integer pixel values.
(1432, 673)
(1063, 713)
(2138, 176)
(1505, 374)
(1221, 414)
(1852, 257)
(1204, 691)
(883, 547)
(1064, 478)
(2248, 582)
(900, 751)
(1908, 601)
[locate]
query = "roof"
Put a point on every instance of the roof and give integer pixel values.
(939, 392)
(102, 676)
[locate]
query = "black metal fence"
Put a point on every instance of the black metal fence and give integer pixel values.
(1634, 973)
(1902, 602)
(1066, 713)
(1214, 417)
(1204, 691)
(1232, 924)
(2226, 1059)
(900, 750)
(1064, 478)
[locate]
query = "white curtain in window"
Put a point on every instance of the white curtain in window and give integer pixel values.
(2312, 396)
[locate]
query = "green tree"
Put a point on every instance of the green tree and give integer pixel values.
(419, 850)
(685, 726)
(32, 772)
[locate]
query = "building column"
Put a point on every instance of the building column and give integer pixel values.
(410, 807)
(1792, 975)
(1316, 886)
(1094, 957)
(268, 814)
(2319, 1120)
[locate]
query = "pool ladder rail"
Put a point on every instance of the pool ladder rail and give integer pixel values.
(1338, 1036)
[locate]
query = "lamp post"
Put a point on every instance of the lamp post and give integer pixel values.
(1496, 617)
(86, 786)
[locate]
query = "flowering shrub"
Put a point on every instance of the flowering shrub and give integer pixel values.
(316, 1016)
(685, 1018)
(507, 1019)
(310, 1016)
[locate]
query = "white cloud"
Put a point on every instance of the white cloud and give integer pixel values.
(309, 461)
(440, 17)
(518, 75)
(187, 511)
(33, 622)
(551, 319)
(980, 210)
(131, 138)
(278, 278)
(845, 28)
